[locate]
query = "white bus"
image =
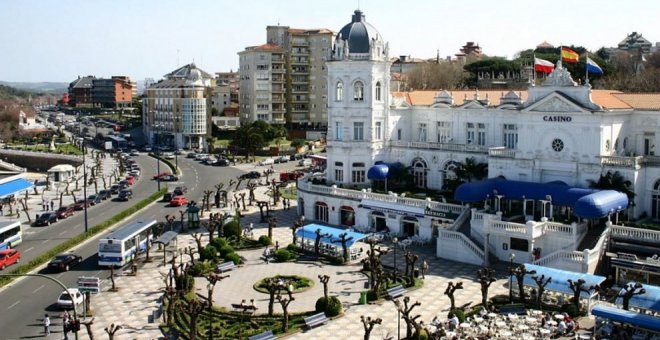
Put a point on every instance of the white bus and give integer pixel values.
(10, 234)
(120, 246)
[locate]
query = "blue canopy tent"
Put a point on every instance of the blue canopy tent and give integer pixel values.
(649, 300)
(648, 322)
(559, 282)
(14, 187)
(586, 203)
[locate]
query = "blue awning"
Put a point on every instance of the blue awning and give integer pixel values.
(587, 203)
(378, 171)
(559, 282)
(649, 300)
(14, 187)
(309, 232)
(648, 322)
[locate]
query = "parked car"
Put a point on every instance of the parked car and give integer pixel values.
(305, 162)
(135, 152)
(178, 151)
(210, 161)
(94, 199)
(64, 212)
(46, 219)
(168, 196)
(170, 178)
(9, 257)
(180, 191)
(80, 204)
(169, 155)
(125, 195)
(63, 262)
(297, 156)
(114, 189)
(123, 184)
(267, 161)
(290, 176)
(201, 156)
(147, 148)
(251, 175)
(178, 201)
(71, 299)
(105, 194)
(222, 162)
(191, 155)
(130, 180)
(134, 173)
(162, 174)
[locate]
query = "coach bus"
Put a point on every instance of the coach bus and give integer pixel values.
(10, 234)
(120, 247)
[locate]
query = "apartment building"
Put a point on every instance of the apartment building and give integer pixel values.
(177, 109)
(285, 80)
(115, 92)
(80, 91)
(230, 79)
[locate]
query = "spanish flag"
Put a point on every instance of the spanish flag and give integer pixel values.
(569, 55)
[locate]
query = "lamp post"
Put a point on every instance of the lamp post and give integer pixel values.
(397, 303)
(84, 151)
(209, 288)
(157, 149)
(302, 224)
(395, 241)
(511, 258)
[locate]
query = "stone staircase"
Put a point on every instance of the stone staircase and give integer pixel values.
(590, 240)
(465, 230)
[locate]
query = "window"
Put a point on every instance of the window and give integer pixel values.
(421, 132)
(481, 134)
(378, 91)
(470, 133)
(378, 131)
(510, 136)
(444, 132)
(358, 131)
(340, 91)
(339, 172)
(358, 91)
(399, 134)
(358, 173)
(321, 211)
(419, 173)
(557, 144)
(476, 133)
(347, 216)
(339, 131)
(519, 244)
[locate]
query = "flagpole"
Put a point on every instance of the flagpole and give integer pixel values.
(586, 66)
(559, 64)
(534, 70)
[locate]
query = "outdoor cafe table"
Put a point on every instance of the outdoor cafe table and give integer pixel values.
(523, 327)
(478, 319)
(544, 332)
(552, 323)
(530, 320)
(500, 324)
(506, 334)
(492, 315)
(465, 325)
(559, 317)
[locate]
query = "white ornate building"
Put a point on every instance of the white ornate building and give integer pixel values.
(556, 132)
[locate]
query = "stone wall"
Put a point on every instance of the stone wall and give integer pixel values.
(38, 161)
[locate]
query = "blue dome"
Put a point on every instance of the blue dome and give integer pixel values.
(358, 33)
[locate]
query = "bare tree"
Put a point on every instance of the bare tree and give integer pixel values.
(578, 286)
(485, 276)
(520, 272)
(111, 330)
(317, 241)
(272, 224)
(541, 282)
(406, 314)
(23, 202)
(112, 279)
(285, 302)
(251, 186)
(324, 280)
(451, 289)
(207, 197)
(629, 291)
(88, 326)
(368, 323)
(193, 309)
(410, 264)
(198, 241)
(344, 239)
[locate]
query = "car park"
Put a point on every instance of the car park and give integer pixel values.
(125, 195)
(178, 201)
(63, 262)
(70, 298)
(9, 257)
(46, 219)
(251, 175)
(66, 211)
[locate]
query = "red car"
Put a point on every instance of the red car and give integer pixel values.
(80, 204)
(178, 201)
(9, 257)
(65, 212)
(162, 174)
(130, 180)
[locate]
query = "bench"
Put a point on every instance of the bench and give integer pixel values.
(225, 266)
(316, 319)
(243, 308)
(263, 336)
(395, 292)
(513, 309)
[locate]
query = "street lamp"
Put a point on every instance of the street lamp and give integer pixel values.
(82, 147)
(511, 258)
(395, 241)
(397, 303)
(302, 224)
(209, 288)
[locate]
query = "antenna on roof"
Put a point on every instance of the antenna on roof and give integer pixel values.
(278, 21)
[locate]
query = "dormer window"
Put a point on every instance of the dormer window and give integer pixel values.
(339, 91)
(358, 91)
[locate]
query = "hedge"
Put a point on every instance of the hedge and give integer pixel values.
(172, 167)
(76, 240)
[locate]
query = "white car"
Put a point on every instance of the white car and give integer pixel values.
(305, 162)
(64, 301)
(267, 161)
(169, 155)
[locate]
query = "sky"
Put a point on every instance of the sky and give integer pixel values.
(58, 40)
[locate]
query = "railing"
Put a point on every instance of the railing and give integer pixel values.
(561, 255)
(558, 227)
(456, 236)
(508, 227)
(440, 146)
(501, 152)
(465, 214)
(11, 166)
(627, 162)
(617, 231)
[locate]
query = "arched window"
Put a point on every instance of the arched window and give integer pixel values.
(378, 91)
(358, 91)
(321, 211)
(419, 173)
(347, 216)
(340, 91)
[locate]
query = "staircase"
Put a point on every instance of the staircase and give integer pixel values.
(465, 230)
(592, 237)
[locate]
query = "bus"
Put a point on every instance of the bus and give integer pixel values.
(120, 246)
(10, 234)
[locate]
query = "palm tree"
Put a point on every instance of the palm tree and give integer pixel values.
(470, 169)
(613, 181)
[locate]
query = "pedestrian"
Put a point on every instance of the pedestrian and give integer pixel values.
(52, 205)
(277, 245)
(43, 205)
(425, 268)
(46, 324)
(66, 326)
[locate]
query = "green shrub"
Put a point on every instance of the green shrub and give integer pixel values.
(459, 314)
(224, 251)
(372, 295)
(185, 282)
(219, 242)
(264, 240)
(200, 268)
(283, 255)
(233, 257)
(232, 229)
(293, 248)
(209, 253)
(571, 309)
(334, 260)
(331, 307)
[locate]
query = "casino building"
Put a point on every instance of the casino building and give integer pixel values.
(543, 147)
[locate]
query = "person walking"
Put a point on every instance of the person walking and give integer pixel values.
(46, 324)
(425, 268)
(52, 205)
(65, 326)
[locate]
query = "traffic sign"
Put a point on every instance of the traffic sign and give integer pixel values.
(92, 290)
(89, 284)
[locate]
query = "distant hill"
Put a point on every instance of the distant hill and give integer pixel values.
(9, 92)
(42, 87)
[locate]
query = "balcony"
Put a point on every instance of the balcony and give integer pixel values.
(440, 146)
(624, 162)
(501, 152)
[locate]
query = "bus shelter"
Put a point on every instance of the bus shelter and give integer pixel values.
(165, 241)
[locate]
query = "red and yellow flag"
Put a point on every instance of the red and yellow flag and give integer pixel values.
(569, 56)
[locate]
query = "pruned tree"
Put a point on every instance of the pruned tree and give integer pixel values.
(112, 279)
(182, 214)
(23, 202)
(411, 320)
(577, 287)
(169, 220)
(629, 291)
(193, 309)
(520, 272)
(198, 241)
(541, 282)
(207, 198)
(88, 327)
(285, 302)
(190, 252)
(324, 280)
(485, 276)
(273, 287)
(111, 330)
(251, 186)
(214, 222)
(368, 323)
(344, 239)
(272, 224)
(374, 262)
(317, 241)
(451, 289)
(411, 259)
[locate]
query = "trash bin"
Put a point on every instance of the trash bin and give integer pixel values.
(416, 272)
(363, 298)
